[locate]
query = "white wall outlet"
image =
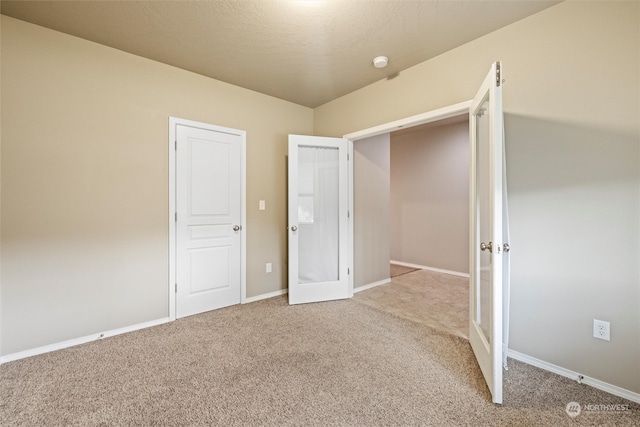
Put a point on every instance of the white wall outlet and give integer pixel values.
(601, 330)
(268, 269)
(262, 205)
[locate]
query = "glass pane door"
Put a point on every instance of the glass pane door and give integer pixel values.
(485, 292)
(482, 315)
(318, 219)
(318, 236)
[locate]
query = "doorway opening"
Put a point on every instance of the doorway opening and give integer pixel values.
(488, 222)
(411, 209)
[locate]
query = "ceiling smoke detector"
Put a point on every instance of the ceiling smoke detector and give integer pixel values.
(380, 61)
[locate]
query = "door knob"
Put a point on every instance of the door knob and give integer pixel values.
(236, 228)
(294, 228)
(484, 246)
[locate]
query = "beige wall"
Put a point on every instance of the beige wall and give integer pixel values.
(572, 112)
(84, 177)
(84, 182)
(371, 182)
(430, 196)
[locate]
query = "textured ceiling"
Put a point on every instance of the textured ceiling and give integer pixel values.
(306, 52)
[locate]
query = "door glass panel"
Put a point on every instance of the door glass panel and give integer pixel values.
(483, 284)
(318, 214)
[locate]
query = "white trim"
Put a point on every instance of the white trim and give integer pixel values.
(172, 213)
(82, 340)
(266, 296)
(351, 208)
(372, 285)
(243, 219)
(600, 385)
(173, 122)
(424, 267)
(419, 119)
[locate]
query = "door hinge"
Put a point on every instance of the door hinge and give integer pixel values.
(498, 77)
(176, 217)
(347, 157)
(176, 145)
(176, 288)
(348, 272)
(348, 214)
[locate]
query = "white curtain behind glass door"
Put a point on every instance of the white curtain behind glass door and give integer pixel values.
(318, 214)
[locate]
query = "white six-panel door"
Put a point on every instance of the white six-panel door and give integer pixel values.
(209, 221)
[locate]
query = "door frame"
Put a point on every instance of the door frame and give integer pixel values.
(454, 110)
(172, 147)
(459, 109)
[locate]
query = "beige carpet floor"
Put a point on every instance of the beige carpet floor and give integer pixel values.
(435, 299)
(266, 363)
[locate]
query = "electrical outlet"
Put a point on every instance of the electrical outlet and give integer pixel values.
(601, 330)
(268, 267)
(262, 205)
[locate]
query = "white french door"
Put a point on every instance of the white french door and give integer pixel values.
(318, 219)
(208, 218)
(487, 309)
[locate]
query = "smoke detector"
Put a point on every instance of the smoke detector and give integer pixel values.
(380, 61)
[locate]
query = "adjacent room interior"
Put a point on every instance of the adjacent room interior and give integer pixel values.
(426, 171)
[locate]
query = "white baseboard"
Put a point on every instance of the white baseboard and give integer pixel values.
(77, 341)
(424, 267)
(266, 296)
(371, 285)
(83, 340)
(600, 385)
